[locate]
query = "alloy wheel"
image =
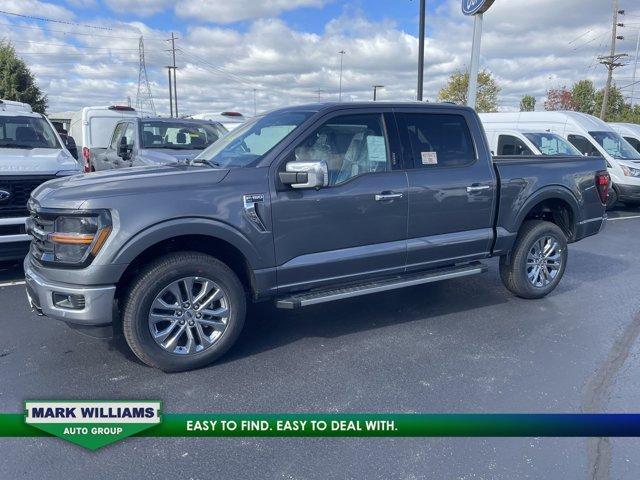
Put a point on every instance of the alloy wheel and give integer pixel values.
(544, 261)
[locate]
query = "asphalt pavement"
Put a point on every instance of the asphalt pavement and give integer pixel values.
(463, 345)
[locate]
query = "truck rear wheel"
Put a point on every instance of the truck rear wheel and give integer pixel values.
(184, 311)
(538, 260)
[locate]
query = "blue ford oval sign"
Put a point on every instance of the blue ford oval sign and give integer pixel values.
(474, 7)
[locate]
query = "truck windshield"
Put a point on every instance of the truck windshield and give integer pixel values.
(551, 144)
(244, 146)
(615, 145)
(179, 135)
(27, 133)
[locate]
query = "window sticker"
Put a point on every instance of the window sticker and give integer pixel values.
(429, 158)
(376, 149)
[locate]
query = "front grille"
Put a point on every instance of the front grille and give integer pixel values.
(20, 189)
(39, 227)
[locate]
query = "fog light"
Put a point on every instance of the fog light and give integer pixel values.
(68, 301)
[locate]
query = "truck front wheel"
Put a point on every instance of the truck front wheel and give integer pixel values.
(537, 262)
(184, 311)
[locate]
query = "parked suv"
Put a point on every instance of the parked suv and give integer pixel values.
(31, 152)
(304, 205)
(153, 141)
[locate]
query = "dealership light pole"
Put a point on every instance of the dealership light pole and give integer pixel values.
(341, 52)
(635, 71)
(421, 51)
(475, 8)
(375, 91)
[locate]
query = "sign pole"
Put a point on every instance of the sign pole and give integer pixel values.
(475, 61)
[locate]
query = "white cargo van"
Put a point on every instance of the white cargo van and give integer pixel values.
(229, 120)
(92, 127)
(513, 142)
(591, 136)
(31, 152)
(630, 132)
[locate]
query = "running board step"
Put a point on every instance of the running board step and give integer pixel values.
(400, 281)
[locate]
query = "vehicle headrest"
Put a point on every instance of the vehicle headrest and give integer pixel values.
(181, 137)
(26, 134)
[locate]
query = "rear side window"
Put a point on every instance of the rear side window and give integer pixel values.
(584, 145)
(634, 142)
(439, 140)
(510, 145)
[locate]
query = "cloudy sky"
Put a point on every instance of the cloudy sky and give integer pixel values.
(279, 52)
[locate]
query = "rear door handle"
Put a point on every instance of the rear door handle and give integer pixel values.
(388, 196)
(477, 188)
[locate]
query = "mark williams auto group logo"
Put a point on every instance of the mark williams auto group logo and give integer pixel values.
(92, 424)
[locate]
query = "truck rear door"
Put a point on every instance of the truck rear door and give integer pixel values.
(452, 186)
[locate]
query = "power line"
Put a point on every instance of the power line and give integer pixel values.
(64, 22)
(68, 32)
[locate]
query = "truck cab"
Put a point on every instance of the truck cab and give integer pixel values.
(31, 152)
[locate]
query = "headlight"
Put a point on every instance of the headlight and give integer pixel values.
(630, 172)
(68, 238)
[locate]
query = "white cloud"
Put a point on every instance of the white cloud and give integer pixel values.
(141, 8)
(237, 10)
(36, 7)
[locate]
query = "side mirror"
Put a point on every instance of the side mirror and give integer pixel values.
(123, 148)
(305, 174)
(70, 144)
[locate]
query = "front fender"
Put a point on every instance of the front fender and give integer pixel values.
(188, 226)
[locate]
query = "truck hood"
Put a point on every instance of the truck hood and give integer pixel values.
(38, 161)
(73, 192)
(164, 155)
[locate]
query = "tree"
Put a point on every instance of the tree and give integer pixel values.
(616, 106)
(458, 85)
(583, 93)
(528, 103)
(559, 99)
(17, 82)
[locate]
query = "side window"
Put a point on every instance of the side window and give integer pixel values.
(634, 142)
(129, 134)
(115, 139)
(439, 140)
(510, 145)
(584, 145)
(351, 145)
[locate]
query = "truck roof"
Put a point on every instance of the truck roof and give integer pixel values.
(11, 108)
(334, 106)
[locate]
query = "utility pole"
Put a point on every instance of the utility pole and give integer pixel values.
(170, 91)
(173, 96)
(611, 61)
(320, 92)
(375, 91)
(341, 52)
(255, 103)
(420, 51)
(635, 71)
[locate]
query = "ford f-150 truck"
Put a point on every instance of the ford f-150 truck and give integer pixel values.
(303, 205)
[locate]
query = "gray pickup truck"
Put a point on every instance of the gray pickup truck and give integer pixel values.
(303, 205)
(137, 142)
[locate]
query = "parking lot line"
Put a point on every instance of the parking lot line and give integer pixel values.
(623, 218)
(12, 283)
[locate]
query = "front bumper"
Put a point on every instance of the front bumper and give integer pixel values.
(14, 245)
(628, 193)
(98, 301)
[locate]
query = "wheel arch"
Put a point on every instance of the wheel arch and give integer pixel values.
(555, 204)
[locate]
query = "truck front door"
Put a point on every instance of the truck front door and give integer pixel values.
(357, 225)
(452, 187)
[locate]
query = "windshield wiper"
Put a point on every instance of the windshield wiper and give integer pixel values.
(16, 145)
(210, 163)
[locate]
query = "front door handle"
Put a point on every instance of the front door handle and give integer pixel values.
(381, 197)
(477, 188)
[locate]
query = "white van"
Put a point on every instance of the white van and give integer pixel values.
(229, 120)
(630, 132)
(503, 141)
(92, 127)
(31, 152)
(591, 136)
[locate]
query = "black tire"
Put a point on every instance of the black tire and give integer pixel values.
(613, 198)
(515, 273)
(157, 276)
